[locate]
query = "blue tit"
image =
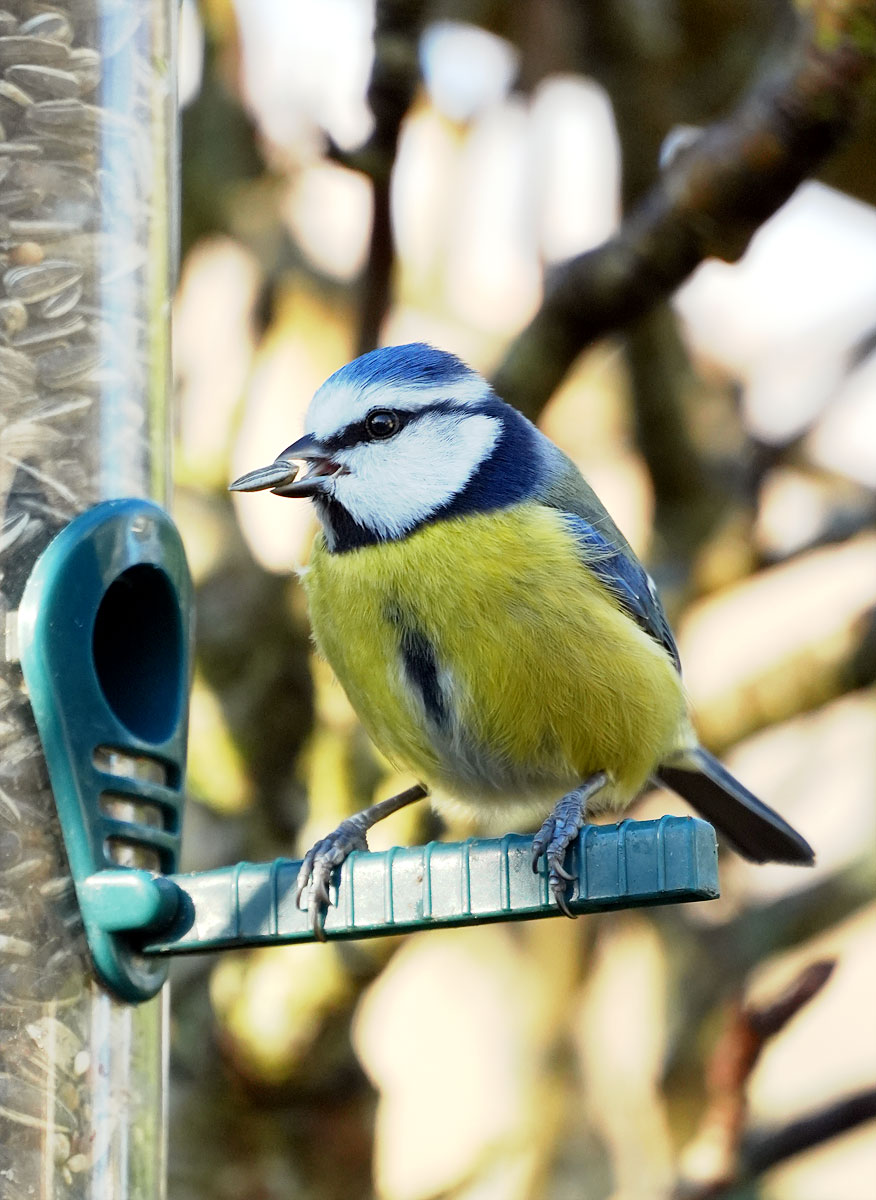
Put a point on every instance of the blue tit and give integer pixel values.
(492, 627)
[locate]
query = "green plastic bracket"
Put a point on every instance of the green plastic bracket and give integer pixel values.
(105, 629)
(105, 632)
(628, 865)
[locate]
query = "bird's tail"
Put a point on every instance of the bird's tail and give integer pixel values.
(751, 827)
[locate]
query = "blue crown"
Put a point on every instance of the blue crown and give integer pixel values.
(414, 365)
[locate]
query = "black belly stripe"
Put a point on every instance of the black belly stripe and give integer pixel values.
(421, 665)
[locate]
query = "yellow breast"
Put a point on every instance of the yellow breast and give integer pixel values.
(541, 679)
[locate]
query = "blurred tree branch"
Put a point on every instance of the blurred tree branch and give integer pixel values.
(714, 1157)
(640, 71)
(763, 1149)
(394, 78)
(736, 947)
(218, 139)
(709, 200)
(672, 62)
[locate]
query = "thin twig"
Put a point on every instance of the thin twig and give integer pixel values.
(763, 1149)
(769, 1020)
(714, 1158)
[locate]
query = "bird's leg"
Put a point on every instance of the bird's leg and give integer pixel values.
(559, 831)
(331, 851)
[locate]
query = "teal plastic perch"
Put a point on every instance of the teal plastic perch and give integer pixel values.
(443, 884)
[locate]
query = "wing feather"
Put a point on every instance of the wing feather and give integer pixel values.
(605, 550)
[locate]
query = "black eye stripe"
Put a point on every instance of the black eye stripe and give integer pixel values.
(356, 433)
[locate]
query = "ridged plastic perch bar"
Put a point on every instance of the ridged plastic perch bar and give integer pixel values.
(443, 884)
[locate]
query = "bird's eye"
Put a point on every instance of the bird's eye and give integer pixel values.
(382, 423)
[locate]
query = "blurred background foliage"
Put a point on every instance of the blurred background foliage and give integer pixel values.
(335, 198)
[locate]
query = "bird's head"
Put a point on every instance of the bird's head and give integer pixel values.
(399, 437)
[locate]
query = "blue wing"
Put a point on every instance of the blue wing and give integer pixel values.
(627, 580)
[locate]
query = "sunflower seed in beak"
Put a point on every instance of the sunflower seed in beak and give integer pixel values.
(277, 474)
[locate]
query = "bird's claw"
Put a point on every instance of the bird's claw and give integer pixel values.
(558, 892)
(557, 834)
(315, 873)
(551, 843)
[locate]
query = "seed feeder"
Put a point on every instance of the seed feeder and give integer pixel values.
(105, 629)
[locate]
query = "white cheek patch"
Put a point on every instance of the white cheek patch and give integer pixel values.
(332, 409)
(394, 485)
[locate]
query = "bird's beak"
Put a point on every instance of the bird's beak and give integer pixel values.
(280, 476)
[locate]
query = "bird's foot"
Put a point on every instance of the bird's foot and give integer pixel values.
(557, 834)
(332, 851)
(319, 863)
